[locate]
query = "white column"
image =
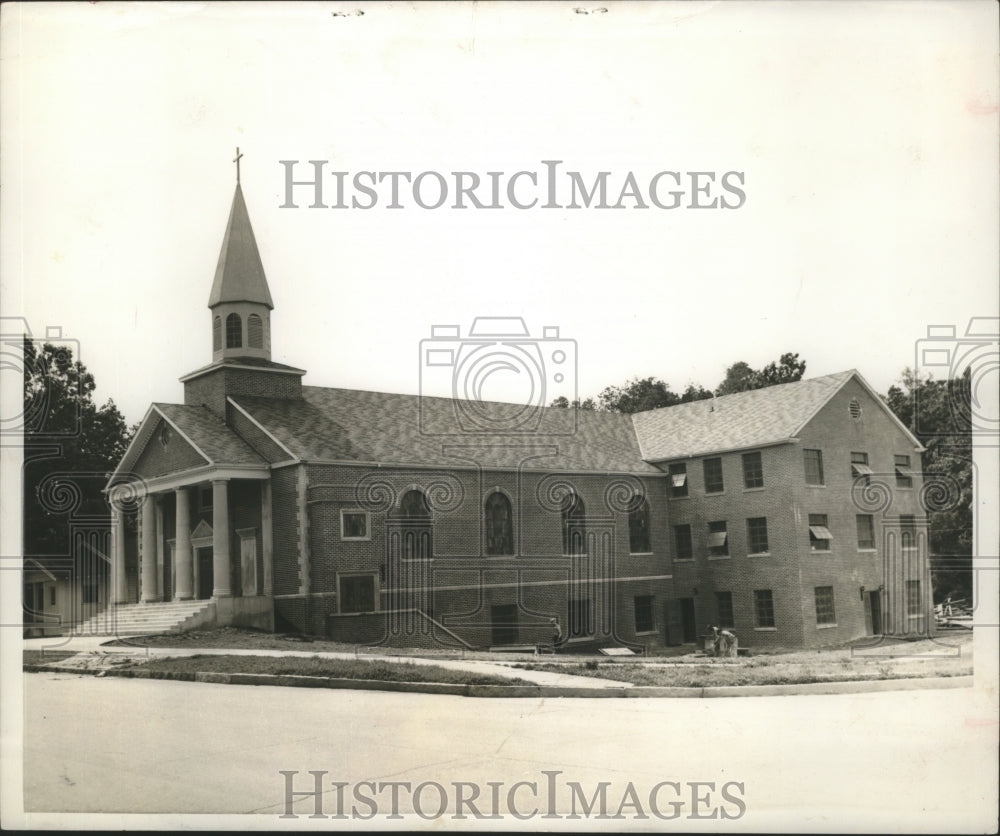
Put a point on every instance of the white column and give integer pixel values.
(150, 585)
(220, 539)
(120, 592)
(184, 590)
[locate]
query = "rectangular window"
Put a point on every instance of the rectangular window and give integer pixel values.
(866, 531)
(819, 534)
(682, 539)
(357, 593)
(763, 607)
(908, 531)
(718, 539)
(913, 598)
(579, 618)
(753, 471)
(52, 596)
(713, 475)
(644, 614)
(724, 606)
(757, 535)
(354, 525)
(678, 480)
(814, 467)
(860, 469)
(824, 605)
(904, 476)
(206, 497)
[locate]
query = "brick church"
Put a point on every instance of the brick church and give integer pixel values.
(789, 514)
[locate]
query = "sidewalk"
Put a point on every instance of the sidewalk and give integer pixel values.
(93, 656)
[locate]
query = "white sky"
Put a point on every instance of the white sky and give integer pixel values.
(867, 134)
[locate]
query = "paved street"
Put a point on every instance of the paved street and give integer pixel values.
(869, 760)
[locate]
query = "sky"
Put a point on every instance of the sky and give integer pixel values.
(865, 136)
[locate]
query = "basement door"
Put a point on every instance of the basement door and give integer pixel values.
(688, 623)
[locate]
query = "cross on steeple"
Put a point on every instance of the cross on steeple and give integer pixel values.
(236, 160)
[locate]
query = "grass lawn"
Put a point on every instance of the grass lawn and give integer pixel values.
(330, 668)
(899, 661)
(47, 657)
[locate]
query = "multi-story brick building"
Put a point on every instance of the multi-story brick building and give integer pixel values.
(790, 513)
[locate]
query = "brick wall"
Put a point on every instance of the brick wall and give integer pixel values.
(461, 586)
(212, 387)
(157, 459)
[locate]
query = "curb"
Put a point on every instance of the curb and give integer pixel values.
(859, 686)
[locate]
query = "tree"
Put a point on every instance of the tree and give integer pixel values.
(938, 413)
(637, 395)
(563, 403)
(741, 377)
(71, 446)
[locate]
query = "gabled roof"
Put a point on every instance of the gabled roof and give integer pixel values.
(198, 426)
(239, 276)
(346, 425)
(756, 418)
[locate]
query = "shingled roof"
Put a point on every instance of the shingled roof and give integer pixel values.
(352, 425)
(239, 275)
(731, 422)
(205, 431)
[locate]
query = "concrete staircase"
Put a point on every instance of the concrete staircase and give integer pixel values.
(147, 619)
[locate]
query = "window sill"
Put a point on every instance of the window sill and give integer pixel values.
(820, 551)
(758, 554)
(825, 626)
(647, 632)
(868, 551)
(356, 539)
(686, 496)
(766, 629)
(814, 486)
(715, 493)
(641, 554)
(719, 557)
(683, 560)
(753, 490)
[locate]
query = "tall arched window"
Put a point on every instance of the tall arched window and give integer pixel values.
(217, 334)
(638, 526)
(416, 514)
(574, 535)
(499, 525)
(234, 331)
(255, 331)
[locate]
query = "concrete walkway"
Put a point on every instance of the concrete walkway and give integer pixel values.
(93, 655)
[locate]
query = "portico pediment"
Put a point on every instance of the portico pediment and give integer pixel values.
(203, 531)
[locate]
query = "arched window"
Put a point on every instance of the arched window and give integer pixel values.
(638, 526)
(414, 505)
(574, 535)
(255, 331)
(234, 331)
(416, 529)
(499, 525)
(217, 334)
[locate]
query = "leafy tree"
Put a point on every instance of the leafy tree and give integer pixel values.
(71, 446)
(938, 413)
(638, 395)
(741, 377)
(694, 392)
(564, 403)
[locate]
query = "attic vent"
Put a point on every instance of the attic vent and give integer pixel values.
(855, 408)
(165, 435)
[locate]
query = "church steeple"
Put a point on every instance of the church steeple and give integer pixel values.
(240, 301)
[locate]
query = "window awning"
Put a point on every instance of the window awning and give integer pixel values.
(820, 532)
(717, 539)
(861, 469)
(678, 479)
